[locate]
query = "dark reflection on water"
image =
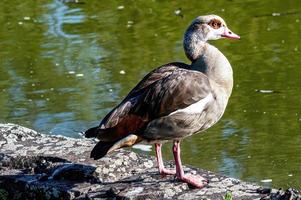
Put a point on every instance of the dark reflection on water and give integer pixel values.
(65, 65)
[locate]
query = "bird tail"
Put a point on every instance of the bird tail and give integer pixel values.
(102, 148)
(92, 132)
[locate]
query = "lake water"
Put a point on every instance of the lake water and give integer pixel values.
(65, 65)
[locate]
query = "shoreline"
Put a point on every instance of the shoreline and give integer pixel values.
(39, 166)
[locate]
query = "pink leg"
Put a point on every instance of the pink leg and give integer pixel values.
(196, 181)
(161, 167)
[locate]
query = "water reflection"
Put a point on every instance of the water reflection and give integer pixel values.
(230, 166)
(61, 15)
(75, 63)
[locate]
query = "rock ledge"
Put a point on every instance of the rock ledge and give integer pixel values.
(37, 166)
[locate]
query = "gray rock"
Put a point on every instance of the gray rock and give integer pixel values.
(37, 166)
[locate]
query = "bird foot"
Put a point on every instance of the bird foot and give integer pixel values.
(165, 172)
(194, 180)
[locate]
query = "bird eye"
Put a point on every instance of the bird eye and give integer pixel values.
(216, 24)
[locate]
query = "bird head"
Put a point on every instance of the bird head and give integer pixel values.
(211, 27)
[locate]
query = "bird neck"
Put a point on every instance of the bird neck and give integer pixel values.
(215, 65)
(194, 44)
(208, 59)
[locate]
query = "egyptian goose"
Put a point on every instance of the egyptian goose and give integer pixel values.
(173, 101)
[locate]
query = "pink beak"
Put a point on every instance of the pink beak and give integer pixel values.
(229, 34)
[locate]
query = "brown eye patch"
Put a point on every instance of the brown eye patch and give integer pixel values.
(215, 23)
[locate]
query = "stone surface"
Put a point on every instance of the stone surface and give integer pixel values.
(37, 166)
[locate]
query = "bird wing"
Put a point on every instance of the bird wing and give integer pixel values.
(164, 90)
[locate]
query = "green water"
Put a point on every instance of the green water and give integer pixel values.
(62, 70)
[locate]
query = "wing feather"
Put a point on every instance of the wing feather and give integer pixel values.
(161, 92)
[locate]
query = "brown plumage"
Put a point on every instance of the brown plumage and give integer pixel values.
(173, 101)
(163, 91)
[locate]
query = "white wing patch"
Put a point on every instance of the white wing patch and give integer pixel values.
(197, 107)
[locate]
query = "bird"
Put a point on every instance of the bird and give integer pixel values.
(173, 101)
